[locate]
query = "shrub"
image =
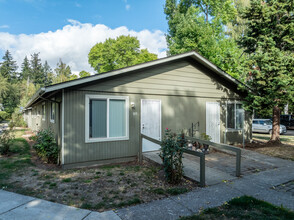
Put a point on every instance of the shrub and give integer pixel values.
(17, 120)
(46, 146)
(6, 139)
(3, 115)
(171, 154)
(205, 137)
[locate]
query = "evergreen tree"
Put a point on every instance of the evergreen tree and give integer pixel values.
(11, 98)
(48, 74)
(8, 67)
(268, 41)
(63, 73)
(37, 70)
(25, 69)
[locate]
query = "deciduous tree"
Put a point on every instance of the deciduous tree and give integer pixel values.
(83, 74)
(118, 53)
(200, 25)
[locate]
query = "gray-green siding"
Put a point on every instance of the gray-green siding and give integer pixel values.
(183, 90)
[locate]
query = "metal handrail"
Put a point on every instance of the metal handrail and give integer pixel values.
(222, 147)
(195, 153)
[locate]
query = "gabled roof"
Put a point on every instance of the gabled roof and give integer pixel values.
(192, 54)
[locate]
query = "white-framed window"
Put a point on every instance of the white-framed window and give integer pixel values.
(235, 115)
(52, 111)
(106, 118)
(43, 111)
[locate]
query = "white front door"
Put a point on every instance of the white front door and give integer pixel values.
(213, 121)
(151, 123)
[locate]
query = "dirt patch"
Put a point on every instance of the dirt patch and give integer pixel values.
(284, 151)
(99, 188)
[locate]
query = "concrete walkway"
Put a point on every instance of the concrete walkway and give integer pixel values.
(219, 166)
(262, 185)
(15, 206)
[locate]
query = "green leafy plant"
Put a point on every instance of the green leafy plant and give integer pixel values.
(46, 146)
(17, 120)
(3, 115)
(205, 137)
(171, 154)
(6, 139)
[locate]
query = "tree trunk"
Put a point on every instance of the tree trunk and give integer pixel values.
(275, 138)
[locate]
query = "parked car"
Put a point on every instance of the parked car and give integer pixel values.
(265, 126)
(288, 121)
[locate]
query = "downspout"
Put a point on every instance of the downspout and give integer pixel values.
(62, 128)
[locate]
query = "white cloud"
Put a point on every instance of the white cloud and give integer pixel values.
(4, 26)
(73, 42)
(128, 7)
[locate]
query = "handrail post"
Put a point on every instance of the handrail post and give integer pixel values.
(141, 148)
(202, 170)
(238, 163)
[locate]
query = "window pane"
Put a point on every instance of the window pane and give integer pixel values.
(43, 112)
(52, 111)
(117, 118)
(239, 116)
(231, 116)
(98, 118)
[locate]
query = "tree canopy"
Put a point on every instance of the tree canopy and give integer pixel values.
(118, 53)
(268, 42)
(16, 88)
(200, 25)
(8, 67)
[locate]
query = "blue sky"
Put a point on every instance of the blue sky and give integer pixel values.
(28, 26)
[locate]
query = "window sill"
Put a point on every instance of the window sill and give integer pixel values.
(95, 140)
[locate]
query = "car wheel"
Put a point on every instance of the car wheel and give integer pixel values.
(270, 132)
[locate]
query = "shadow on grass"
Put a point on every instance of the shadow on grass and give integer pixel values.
(19, 159)
(267, 138)
(244, 207)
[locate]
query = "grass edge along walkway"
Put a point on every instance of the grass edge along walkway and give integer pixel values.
(244, 207)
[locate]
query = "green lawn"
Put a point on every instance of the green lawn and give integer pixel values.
(244, 207)
(285, 139)
(20, 157)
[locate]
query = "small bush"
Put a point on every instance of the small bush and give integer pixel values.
(17, 120)
(3, 115)
(171, 154)
(6, 139)
(46, 146)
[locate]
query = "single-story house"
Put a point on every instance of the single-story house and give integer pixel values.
(98, 119)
